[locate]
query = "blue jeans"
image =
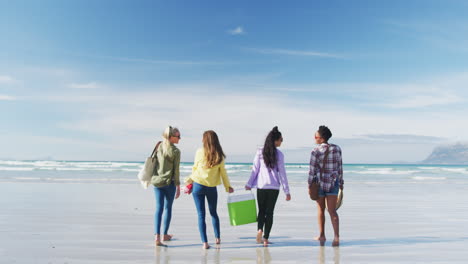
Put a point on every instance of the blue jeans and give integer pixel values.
(164, 199)
(333, 191)
(199, 193)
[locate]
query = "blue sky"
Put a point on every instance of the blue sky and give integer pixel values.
(99, 80)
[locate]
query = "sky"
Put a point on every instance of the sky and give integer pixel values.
(100, 80)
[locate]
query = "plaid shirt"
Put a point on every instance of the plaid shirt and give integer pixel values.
(333, 166)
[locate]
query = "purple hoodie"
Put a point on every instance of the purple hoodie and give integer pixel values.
(264, 178)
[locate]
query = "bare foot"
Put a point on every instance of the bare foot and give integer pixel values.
(336, 242)
(218, 241)
(159, 244)
(259, 236)
(157, 241)
(320, 238)
(265, 242)
(206, 246)
(167, 237)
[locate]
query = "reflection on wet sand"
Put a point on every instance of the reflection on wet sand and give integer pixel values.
(212, 255)
(322, 258)
(214, 251)
(321, 255)
(263, 255)
(161, 254)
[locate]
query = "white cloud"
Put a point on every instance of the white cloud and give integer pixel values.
(6, 79)
(433, 92)
(242, 120)
(289, 52)
(420, 101)
(90, 85)
(49, 72)
(134, 118)
(163, 62)
(28, 146)
(403, 138)
(413, 95)
(7, 98)
(237, 31)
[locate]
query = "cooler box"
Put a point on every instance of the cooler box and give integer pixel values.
(242, 209)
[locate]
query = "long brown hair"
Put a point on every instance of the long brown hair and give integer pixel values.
(214, 154)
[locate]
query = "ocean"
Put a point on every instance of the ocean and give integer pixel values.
(122, 172)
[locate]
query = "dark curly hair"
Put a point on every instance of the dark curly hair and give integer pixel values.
(325, 133)
(269, 149)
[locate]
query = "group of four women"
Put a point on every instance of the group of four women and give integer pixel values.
(268, 175)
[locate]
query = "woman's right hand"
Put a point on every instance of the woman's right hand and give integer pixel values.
(231, 190)
(188, 189)
(288, 197)
(248, 188)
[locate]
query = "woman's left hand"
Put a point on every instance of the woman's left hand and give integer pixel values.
(288, 197)
(177, 194)
(231, 190)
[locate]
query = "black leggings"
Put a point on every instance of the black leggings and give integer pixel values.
(266, 200)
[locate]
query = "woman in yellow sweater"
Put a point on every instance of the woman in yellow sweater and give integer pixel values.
(207, 172)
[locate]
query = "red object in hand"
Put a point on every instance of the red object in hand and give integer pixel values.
(188, 189)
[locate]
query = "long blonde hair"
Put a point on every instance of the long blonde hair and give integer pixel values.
(167, 134)
(214, 154)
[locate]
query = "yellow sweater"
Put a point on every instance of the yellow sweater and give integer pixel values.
(210, 177)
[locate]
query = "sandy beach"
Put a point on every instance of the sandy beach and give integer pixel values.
(47, 222)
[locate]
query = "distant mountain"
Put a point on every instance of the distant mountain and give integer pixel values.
(450, 154)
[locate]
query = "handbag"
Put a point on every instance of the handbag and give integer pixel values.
(314, 187)
(146, 173)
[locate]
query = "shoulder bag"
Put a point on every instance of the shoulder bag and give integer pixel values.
(146, 173)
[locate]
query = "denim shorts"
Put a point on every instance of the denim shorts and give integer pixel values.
(333, 191)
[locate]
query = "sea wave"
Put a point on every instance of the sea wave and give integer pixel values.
(231, 166)
(50, 179)
(15, 169)
(422, 178)
(294, 171)
(384, 171)
(456, 170)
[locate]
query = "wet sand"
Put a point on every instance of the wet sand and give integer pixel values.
(48, 222)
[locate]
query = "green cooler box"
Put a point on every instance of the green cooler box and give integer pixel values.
(242, 209)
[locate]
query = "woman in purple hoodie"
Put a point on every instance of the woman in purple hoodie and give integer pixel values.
(268, 174)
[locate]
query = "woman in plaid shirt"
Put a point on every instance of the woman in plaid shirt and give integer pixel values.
(330, 181)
